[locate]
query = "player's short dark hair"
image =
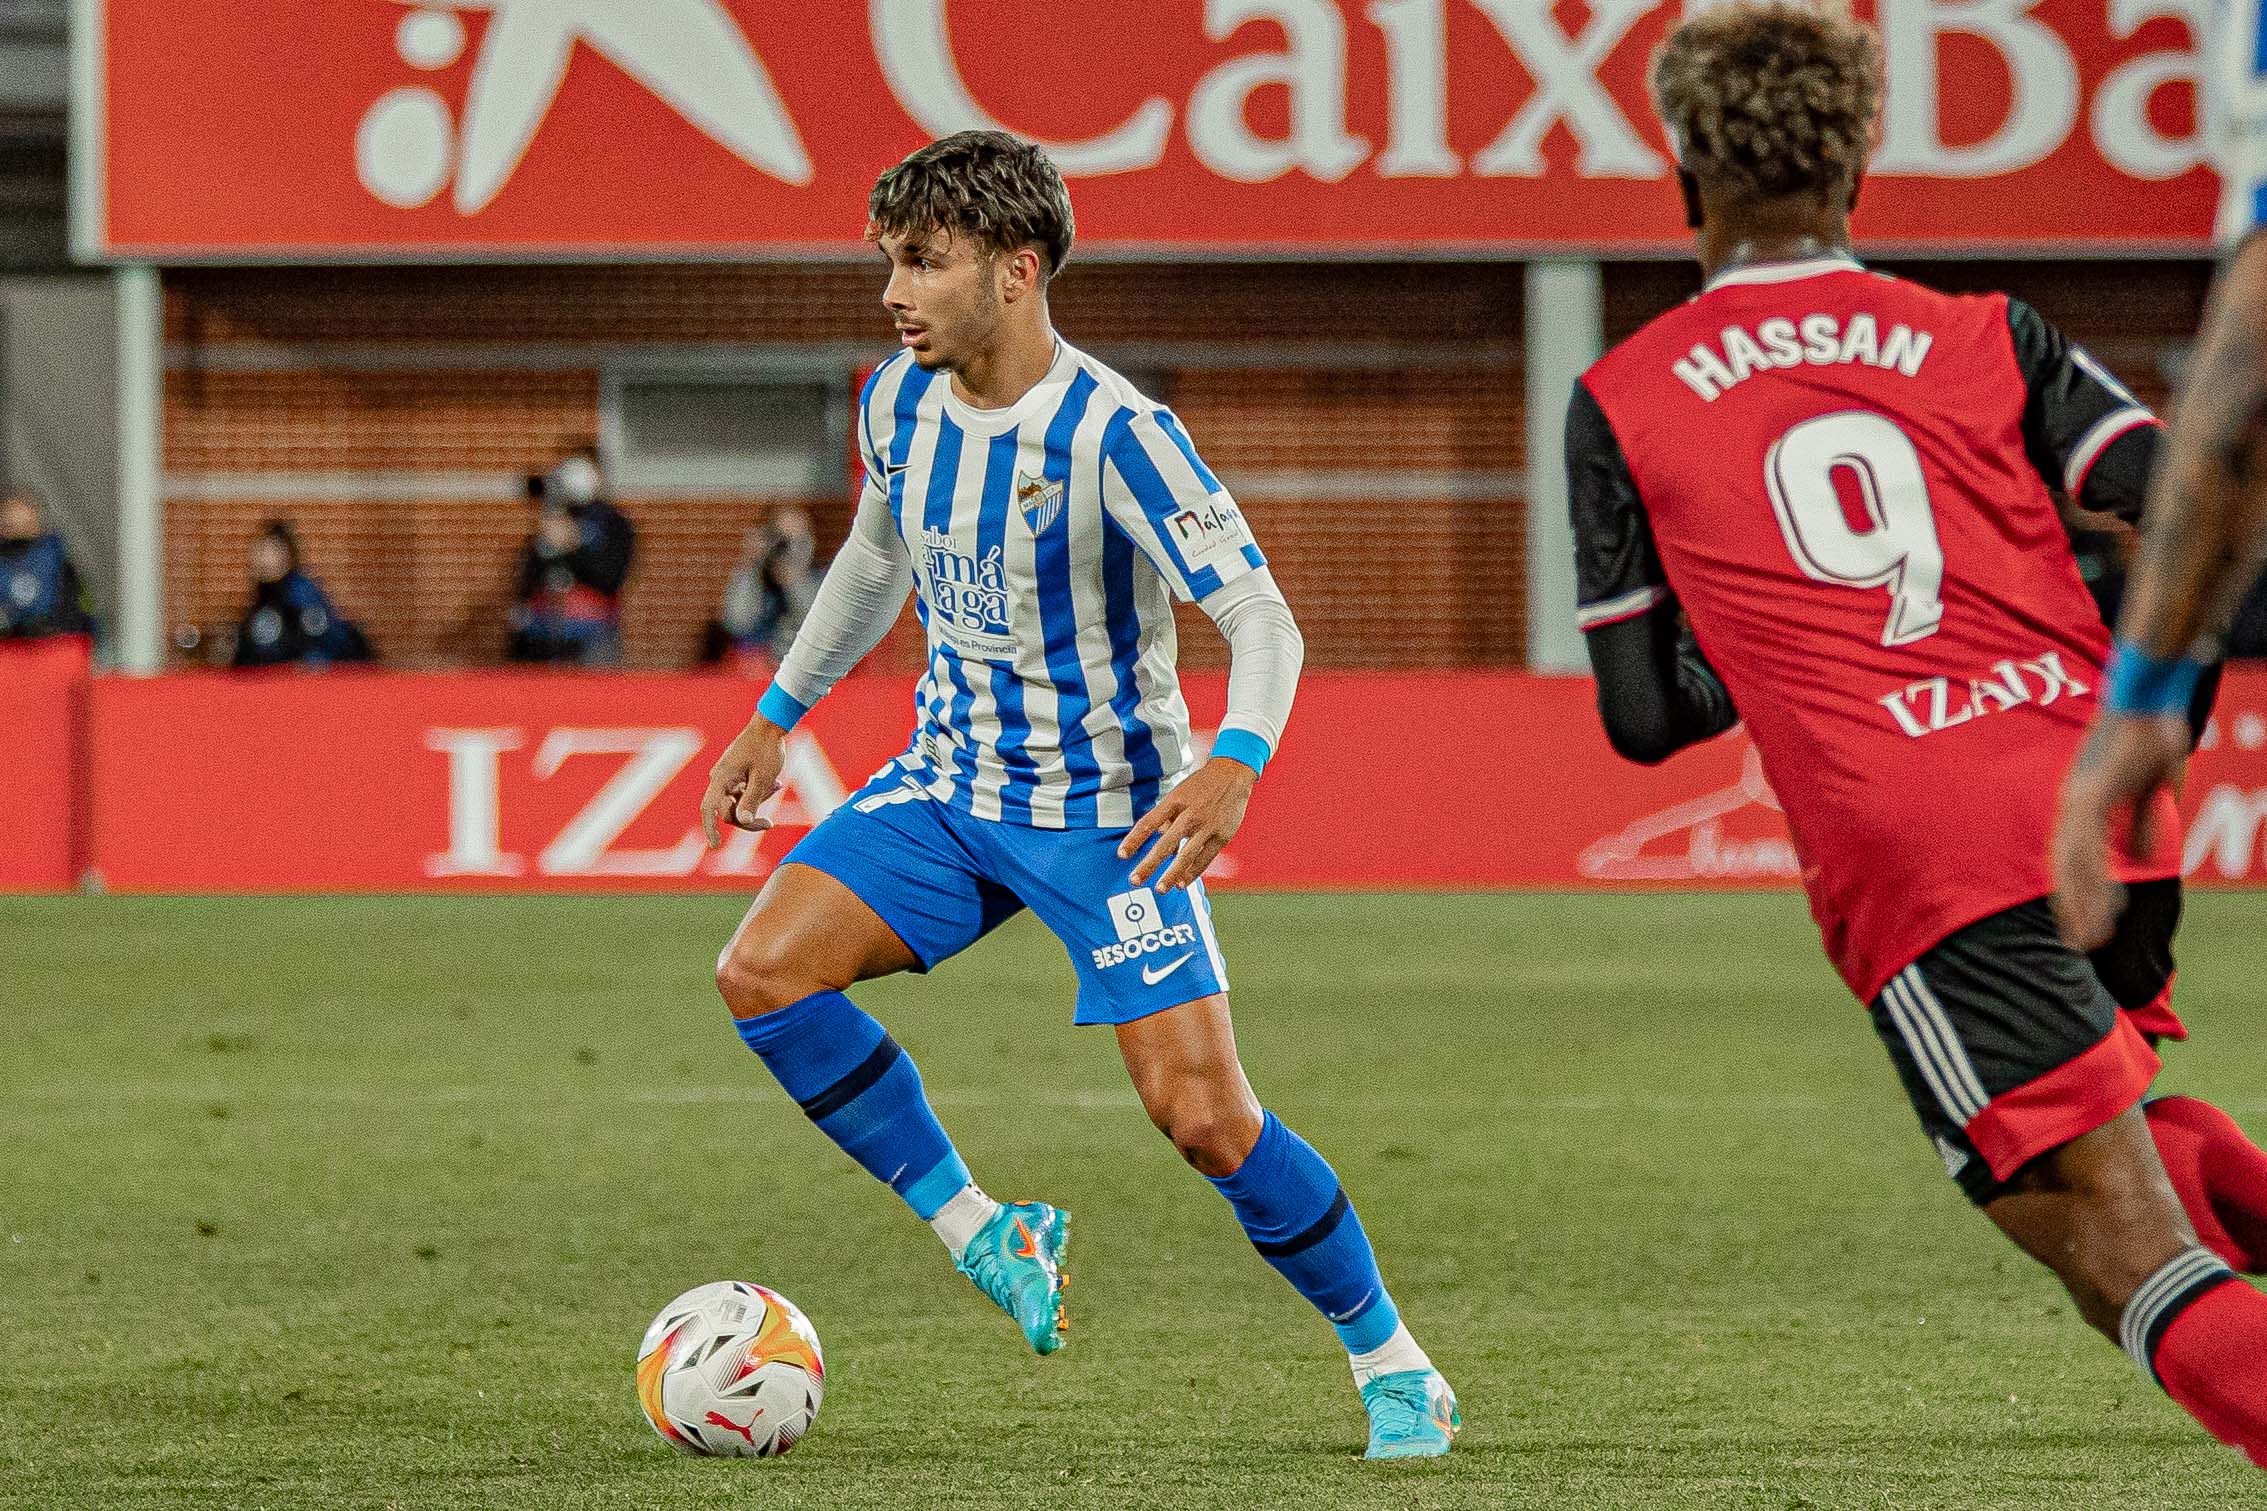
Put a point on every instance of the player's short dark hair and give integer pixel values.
(998, 190)
(1771, 100)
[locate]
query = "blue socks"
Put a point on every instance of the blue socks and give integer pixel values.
(1297, 1216)
(853, 1080)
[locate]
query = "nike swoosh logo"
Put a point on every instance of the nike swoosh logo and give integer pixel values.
(1151, 975)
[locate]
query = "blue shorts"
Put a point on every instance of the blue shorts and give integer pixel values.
(943, 880)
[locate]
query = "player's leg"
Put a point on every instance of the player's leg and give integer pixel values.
(806, 939)
(1149, 964)
(2219, 1174)
(2028, 1078)
(873, 890)
(1185, 1068)
(2100, 1212)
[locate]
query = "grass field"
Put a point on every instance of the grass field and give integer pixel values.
(366, 1203)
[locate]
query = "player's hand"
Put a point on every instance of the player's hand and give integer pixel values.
(2124, 764)
(1192, 825)
(742, 779)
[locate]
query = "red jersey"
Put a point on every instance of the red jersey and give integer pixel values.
(1843, 480)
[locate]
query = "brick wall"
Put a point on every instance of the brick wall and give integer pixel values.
(1367, 415)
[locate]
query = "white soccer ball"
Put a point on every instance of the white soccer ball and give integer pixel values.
(731, 1369)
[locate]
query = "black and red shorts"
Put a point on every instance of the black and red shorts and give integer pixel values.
(2010, 1043)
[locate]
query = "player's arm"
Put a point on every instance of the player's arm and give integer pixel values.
(1158, 490)
(858, 600)
(2089, 437)
(2084, 432)
(2206, 524)
(2207, 516)
(1656, 691)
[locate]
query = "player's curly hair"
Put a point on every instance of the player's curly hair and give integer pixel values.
(1771, 100)
(997, 189)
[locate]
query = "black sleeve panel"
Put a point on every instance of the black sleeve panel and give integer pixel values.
(2079, 423)
(1615, 568)
(2118, 482)
(1656, 692)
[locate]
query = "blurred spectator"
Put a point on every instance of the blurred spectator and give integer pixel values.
(40, 590)
(569, 598)
(770, 592)
(291, 620)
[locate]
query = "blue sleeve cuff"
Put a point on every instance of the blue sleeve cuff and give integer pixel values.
(2141, 684)
(1242, 745)
(781, 709)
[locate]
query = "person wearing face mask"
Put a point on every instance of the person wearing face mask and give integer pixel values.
(568, 606)
(40, 590)
(291, 620)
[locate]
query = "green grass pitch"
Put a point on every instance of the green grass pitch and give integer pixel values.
(366, 1202)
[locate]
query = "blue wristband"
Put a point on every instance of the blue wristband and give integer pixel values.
(1241, 745)
(777, 706)
(2141, 684)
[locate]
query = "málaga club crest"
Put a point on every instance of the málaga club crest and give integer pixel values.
(1040, 499)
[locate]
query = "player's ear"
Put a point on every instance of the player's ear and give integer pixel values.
(1689, 187)
(1022, 279)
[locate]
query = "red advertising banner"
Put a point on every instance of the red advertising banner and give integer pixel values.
(501, 129)
(43, 687)
(518, 782)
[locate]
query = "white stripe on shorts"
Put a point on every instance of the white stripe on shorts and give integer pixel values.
(1925, 999)
(1935, 1048)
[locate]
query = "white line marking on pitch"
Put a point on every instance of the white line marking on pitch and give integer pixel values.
(1069, 1100)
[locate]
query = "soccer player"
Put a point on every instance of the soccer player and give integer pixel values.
(2207, 517)
(1822, 497)
(1045, 515)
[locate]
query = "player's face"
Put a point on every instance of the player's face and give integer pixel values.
(943, 294)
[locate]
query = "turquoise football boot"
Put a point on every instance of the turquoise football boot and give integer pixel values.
(1413, 1415)
(1017, 1260)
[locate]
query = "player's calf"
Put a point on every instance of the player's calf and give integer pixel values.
(806, 937)
(2101, 1214)
(1291, 1206)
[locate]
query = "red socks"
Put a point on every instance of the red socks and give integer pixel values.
(2203, 1334)
(2219, 1175)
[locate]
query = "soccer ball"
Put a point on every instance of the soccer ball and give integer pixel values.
(731, 1369)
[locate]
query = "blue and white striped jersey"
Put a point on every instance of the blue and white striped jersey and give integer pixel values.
(2236, 117)
(1048, 540)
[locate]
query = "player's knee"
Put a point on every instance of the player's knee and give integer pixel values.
(756, 975)
(1214, 1134)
